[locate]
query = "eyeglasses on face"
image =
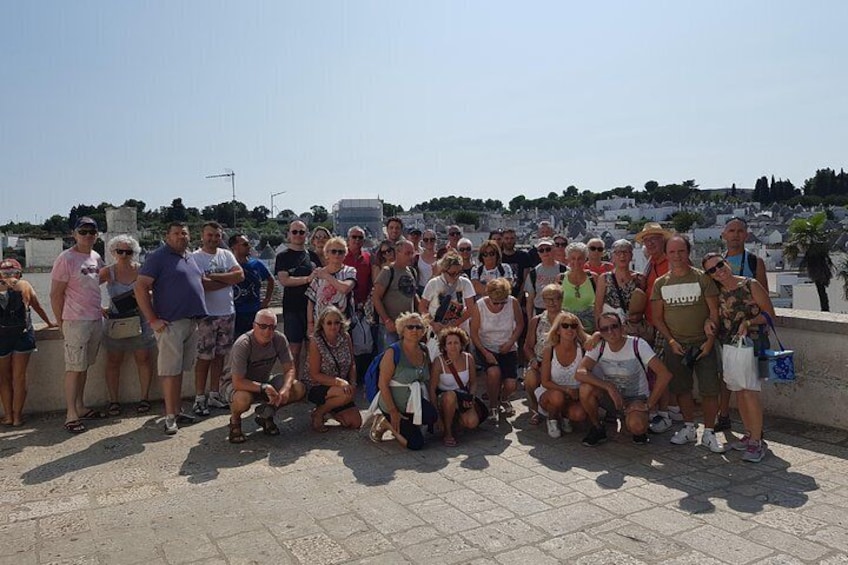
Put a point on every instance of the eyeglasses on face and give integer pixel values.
(454, 233)
(453, 273)
(568, 326)
(357, 237)
(332, 322)
(560, 244)
(87, 232)
(428, 239)
(265, 327)
(415, 327)
(297, 232)
(545, 250)
(595, 248)
(125, 252)
(609, 328)
(464, 249)
(387, 251)
(336, 251)
(489, 254)
(716, 267)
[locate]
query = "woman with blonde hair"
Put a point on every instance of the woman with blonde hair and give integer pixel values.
(559, 394)
(578, 285)
(489, 267)
(534, 344)
(332, 285)
(401, 386)
(332, 372)
(120, 278)
(320, 237)
(453, 380)
(496, 325)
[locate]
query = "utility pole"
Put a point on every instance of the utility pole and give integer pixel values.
(273, 194)
(232, 176)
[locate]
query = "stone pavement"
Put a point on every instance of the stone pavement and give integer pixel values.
(125, 493)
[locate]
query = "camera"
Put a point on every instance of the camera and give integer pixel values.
(691, 356)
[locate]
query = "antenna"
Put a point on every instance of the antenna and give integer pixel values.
(232, 176)
(273, 194)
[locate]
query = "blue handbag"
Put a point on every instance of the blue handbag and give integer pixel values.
(781, 363)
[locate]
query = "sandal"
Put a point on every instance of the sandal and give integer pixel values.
(318, 422)
(114, 409)
(269, 428)
(535, 419)
(143, 407)
(93, 414)
(449, 442)
(378, 429)
(74, 427)
(236, 435)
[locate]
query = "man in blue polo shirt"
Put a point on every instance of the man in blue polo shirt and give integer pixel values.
(178, 301)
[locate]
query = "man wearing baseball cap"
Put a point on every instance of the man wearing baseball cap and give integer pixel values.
(75, 298)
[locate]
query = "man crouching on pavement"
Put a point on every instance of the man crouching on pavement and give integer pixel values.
(249, 377)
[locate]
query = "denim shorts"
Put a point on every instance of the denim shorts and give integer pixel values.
(23, 343)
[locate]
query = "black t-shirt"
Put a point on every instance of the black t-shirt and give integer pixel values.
(296, 264)
(533, 253)
(520, 263)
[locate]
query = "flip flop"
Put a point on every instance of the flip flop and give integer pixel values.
(535, 419)
(143, 407)
(74, 427)
(114, 409)
(449, 442)
(93, 414)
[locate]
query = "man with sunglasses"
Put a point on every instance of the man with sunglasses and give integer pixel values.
(294, 268)
(682, 301)
(75, 299)
(247, 295)
(614, 376)
(544, 231)
(360, 259)
(454, 235)
(248, 378)
(173, 278)
(518, 260)
(395, 293)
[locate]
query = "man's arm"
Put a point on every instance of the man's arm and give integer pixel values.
(217, 281)
(377, 300)
(663, 379)
(57, 299)
(269, 291)
(289, 281)
(143, 288)
(760, 275)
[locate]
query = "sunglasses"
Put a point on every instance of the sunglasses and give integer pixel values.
(387, 251)
(453, 274)
(87, 232)
(716, 267)
(560, 244)
(336, 251)
(610, 328)
(464, 249)
(545, 249)
(565, 326)
(297, 232)
(357, 237)
(265, 327)
(454, 234)
(333, 323)
(415, 327)
(595, 248)
(129, 252)
(489, 254)
(428, 239)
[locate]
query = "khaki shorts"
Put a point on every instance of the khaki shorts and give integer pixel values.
(177, 347)
(82, 342)
(683, 377)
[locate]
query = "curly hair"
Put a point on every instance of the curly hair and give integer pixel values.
(450, 259)
(335, 242)
(405, 318)
(125, 239)
(458, 332)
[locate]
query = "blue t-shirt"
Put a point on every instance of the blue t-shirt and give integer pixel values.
(177, 284)
(247, 295)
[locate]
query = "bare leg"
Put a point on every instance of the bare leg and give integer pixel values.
(336, 398)
(493, 386)
(216, 367)
(447, 407)
(114, 360)
(72, 379)
(201, 371)
(553, 401)
(6, 388)
(752, 416)
(724, 400)
(80, 392)
(239, 405)
(531, 383)
(687, 407)
(589, 402)
(143, 363)
(171, 390)
(710, 404)
(508, 388)
(20, 361)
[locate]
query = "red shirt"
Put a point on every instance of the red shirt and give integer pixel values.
(653, 272)
(604, 267)
(362, 264)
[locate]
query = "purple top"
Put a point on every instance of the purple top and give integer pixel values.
(177, 286)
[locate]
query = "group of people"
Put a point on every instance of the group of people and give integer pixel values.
(597, 341)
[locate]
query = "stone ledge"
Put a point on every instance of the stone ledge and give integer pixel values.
(812, 321)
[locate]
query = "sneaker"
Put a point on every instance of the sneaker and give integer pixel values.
(595, 436)
(170, 425)
(641, 439)
(377, 430)
(200, 407)
(565, 426)
(659, 424)
(684, 435)
(553, 428)
(214, 400)
(675, 414)
(741, 444)
(711, 442)
(723, 424)
(755, 452)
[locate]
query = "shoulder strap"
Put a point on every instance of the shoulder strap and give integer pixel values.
(501, 269)
(752, 263)
(452, 369)
(533, 275)
(391, 277)
(639, 357)
(479, 271)
(621, 300)
(601, 350)
(770, 323)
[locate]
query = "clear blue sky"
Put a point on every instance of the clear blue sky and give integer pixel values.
(104, 101)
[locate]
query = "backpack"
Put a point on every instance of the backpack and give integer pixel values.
(372, 374)
(635, 351)
(534, 274)
(752, 262)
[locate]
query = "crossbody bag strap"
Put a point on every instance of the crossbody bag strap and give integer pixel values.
(624, 305)
(452, 369)
(773, 329)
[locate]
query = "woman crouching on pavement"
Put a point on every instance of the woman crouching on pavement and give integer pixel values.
(453, 380)
(332, 372)
(559, 396)
(537, 338)
(401, 386)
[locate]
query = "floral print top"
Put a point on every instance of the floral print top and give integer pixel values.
(735, 305)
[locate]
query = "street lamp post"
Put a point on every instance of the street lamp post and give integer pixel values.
(273, 194)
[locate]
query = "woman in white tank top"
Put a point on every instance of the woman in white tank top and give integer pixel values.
(455, 399)
(534, 345)
(558, 395)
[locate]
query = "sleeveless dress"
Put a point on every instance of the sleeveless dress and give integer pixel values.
(145, 340)
(563, 375)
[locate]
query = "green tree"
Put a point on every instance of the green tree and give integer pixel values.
(684, 220)
(466, 217)
(390, 210)
(319, 214)
(842, 273)
(811, 239)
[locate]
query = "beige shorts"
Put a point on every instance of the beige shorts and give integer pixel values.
(82, 342)
(177, 347)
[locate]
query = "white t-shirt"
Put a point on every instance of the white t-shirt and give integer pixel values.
(437, 288)
(486, 275)
(623, 368)
(218, 302)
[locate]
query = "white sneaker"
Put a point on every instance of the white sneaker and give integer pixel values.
(659, 424)
(214, 400)
(684, 435)
(675, 414)
(170, 425)
(711, 441)
(553, 428)
(565, 426)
